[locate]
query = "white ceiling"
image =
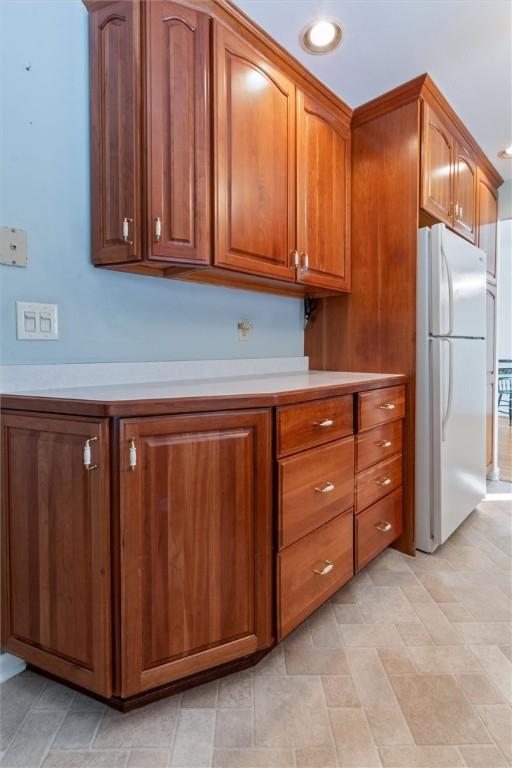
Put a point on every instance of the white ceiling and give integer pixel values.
(465, 45)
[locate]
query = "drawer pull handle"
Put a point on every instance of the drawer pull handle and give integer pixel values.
(132, 456)
(384, 481)
(325, 570)
(326, 488)
(383, 444)
(387, 407)
(324, 423)
(383, 526)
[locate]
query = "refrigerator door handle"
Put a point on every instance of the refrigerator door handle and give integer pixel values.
(450, 291)
(447, 409)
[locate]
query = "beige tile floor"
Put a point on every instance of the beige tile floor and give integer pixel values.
(408, 666)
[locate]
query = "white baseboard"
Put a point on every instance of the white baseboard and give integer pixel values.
(10, 666)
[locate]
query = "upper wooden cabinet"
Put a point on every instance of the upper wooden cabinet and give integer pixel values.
(255, 160)
(437, 166)
(196, 526)
(448, 174)
(178, 65)
(487, 221)
(115, 105)
(464, 191)
(196, 172)
(323, 189)
(56, 547)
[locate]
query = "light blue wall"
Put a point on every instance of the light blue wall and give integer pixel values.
(44, 188)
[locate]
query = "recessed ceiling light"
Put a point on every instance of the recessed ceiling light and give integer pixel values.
(321, 36)
(506, 153)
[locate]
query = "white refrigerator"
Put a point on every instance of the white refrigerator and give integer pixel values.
(450, 389)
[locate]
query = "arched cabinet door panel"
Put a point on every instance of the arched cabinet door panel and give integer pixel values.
(178, 56)
(437, 166)
(323, 189)
(464, 214)
(254, 125)
(115, 103)
(487, 221)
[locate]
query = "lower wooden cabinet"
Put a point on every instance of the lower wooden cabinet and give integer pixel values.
(196, 544)
(56, 548)
(144, 554)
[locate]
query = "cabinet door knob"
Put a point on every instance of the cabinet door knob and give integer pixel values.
(387, 407)
(324, 423)
(126, 230)
(296, 256)
(384, 481)
(132, 458)
(305, 262)
(325, 488)
(87, 455)
(328, 566)
(158, 229)
(383, 526)
(383, 444)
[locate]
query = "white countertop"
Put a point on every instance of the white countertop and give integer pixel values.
(266, 384)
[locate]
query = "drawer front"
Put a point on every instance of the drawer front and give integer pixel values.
(380, 406)
(378, 481)
(314, 486)
(377, 527)
(321, 421)
(312, 569)
(377, 444)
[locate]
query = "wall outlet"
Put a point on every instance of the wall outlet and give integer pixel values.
(244, 329)
(13, 247)
(38, 322)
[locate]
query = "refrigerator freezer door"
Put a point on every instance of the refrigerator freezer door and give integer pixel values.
(458, 432)
(457, 285)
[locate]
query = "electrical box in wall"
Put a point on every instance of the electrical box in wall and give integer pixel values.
(36, 321)
(13, 247)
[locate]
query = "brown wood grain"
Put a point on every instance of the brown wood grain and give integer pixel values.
(178, 114)
(370, 540)
(487, 221)
(323, 195)
(372, 445)
(196, 556)
(437, 165)
(378, 481)
(299, 589)
(309, 424)
(380, 406)
(116, 131)
(302, 504)
(375, 327)
(464, 195)
(254, 180)
(56, 548)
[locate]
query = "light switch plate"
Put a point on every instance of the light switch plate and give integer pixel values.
(38, 322)
(13, 247)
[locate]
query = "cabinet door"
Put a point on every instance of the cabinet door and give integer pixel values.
(255, 161)
(178, 133)
(437, 148)
(487, 221)
(56, 548)
(323, 214)
(114, 39)
(491, 373)
(464, 195)
(196, 531)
